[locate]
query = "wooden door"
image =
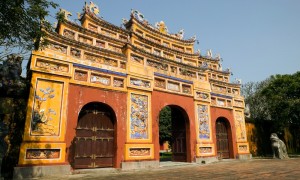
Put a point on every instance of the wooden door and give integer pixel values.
(179, 137)
(222, 140)
(94, 144)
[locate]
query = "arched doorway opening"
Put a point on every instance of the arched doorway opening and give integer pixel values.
(223, 139)
(173, 125)
(94, 141)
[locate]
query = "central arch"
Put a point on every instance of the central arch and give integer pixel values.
(175, 129)
(95, 137)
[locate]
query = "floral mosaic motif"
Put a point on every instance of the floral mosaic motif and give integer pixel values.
(41, 120)
(139, 117)
(42, 153)
(139, 152)
(240, 125)
(204, 150)
(138, 82)
(203, 120)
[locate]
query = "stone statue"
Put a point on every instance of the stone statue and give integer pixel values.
(278, 147)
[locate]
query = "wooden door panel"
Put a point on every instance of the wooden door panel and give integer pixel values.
(222, 140)
(94, 140)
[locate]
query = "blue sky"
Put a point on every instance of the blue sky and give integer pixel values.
(256, 38)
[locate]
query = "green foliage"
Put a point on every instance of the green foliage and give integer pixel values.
(283, 100)
(21, 23)
(276, 99)
(165, 125)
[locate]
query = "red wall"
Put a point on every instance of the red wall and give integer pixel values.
(78, 97)
(162, 99)
(228, 114)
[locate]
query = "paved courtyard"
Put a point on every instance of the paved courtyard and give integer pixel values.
(228, 169)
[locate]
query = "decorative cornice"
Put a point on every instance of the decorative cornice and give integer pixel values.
(173, 78)
(133, 19)
(77, 44)
(224, 83)
(220, 95)
(190, 55)
(99, 69)
(159, 58)
(92, 33)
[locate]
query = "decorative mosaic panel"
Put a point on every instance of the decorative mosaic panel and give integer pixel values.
(139, 152)
(139, 117)
(203, 120)
(46, 114)
(75, 53)
(243, 148)
(80, 75)
(139, 82)
(205, 150)
(42, 153)
(69, 34)
(160, 83)
(203, 96)
(157, 65)
(58, 48)
(118, 82)
(52, 66)
(173, 86)
(186, 89)
(240, 126)
(99, 79)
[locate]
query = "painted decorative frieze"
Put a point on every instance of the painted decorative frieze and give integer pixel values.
(243, 148)
(139, 152)
(173, 86)
(139, 117)
(69, 34)
(99, 79)
(160, 83)
(123, 65)
(42, 153)
(202, 96)
(205, 150)
(58, 48)
(93, 58)
(46, 115)
(86, 40)
(157, 65)
(92, 27)
(139, 82)
(80, 75)
(203, 121)
(52, 66)
(240, 126)
(118, 82)
(75, 53)
(186, 89)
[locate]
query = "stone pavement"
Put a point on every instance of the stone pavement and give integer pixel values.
(226, 169)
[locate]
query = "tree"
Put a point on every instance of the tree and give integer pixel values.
(283, 100)
(21, 23)
(253, 98)
(165, 125)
